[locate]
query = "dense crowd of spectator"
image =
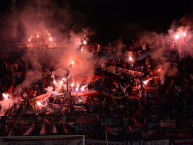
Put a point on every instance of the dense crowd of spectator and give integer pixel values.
(140, 107)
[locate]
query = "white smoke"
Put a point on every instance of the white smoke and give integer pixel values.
(31, 76)
(44, 19)
(6, 103)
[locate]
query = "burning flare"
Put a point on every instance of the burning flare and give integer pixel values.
(84, 42)
(39, 103)
(5, 96)
(131, 59)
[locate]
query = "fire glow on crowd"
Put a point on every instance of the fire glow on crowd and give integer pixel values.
(57, 73)
(76, 70)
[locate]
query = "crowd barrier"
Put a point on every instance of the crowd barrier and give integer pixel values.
(82, 140)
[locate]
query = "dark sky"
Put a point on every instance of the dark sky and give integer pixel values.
(113, 19)
(120, 17)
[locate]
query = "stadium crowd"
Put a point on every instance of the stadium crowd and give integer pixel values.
(161, 108)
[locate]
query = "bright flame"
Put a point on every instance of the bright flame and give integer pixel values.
(131, 58)
(54, 82)
(145, 82)
(61, 82)
(77, 87)
(80, 100)
(176, 37)
(72, 84)
(83, 88)
(159, 70)
(29, 39)
(51, 39)
(37, 36)
(39, 103)
(184, 34)
(180, 34)
(5, 96)
(84, 42)
(72, 62)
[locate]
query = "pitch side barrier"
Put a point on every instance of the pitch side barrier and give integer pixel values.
(81, 140)
(44, 140)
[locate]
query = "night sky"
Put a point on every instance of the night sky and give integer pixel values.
(112, 19)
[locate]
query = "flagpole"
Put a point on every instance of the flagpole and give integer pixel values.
(83, 140)
(107, 142)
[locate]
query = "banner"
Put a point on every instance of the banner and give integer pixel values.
(114, 130)
(184, 142)
(41, 97)
(137, 143)
(86, 128)
(153, 124)
(103, 142)
(87, 119)
(152, 132)
(84, 93)
(143, 56)
(154, 142)
(119, 71)
(170, 133)
(168, 123)
(152, 90)
(115, 97)
(158, 142)
(87, 124)
(108, 121)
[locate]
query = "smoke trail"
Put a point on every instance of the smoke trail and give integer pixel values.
(158, 50)
(43, 22)
(83, 62)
